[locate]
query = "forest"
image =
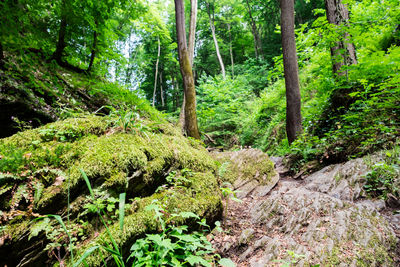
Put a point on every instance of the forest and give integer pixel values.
(200, 133)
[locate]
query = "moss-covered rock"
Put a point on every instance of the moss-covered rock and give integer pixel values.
(247, 170)
(34, 92)
(42, 172)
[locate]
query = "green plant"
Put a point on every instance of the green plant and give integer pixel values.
(228, 193)
(112, 247)
(384, 177)
(175, 180)
(175, 246)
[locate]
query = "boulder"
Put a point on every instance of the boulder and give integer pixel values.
(40, 174)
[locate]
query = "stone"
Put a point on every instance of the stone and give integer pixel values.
(246, 236)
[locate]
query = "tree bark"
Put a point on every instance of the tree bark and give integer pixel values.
(256, 37)
(186, 71)
(161, 90)
(293, 101)
(192, 30)
(191, 44)
(344, 53)
(60, 46)
(94, 47)
(156, 74)
(212, 27)
(1, 56)
(231, 50)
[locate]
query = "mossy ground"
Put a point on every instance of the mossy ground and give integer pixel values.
(40, 174)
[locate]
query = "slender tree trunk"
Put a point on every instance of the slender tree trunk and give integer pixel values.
(161, 90)
(231, 50)
(293, 101)
(93, 53)
(186, 71)
(192, 30)
(1, 56)
(344, 53)
(156, 74)
(256, 37)
(212, 26)
(175, 104)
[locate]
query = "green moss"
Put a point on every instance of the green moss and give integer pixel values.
(199, 198)
(69, 129)
(134, 162)
(246, 165)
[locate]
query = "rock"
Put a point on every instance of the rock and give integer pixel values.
(315, 224)
(378, 204)
(114, 161)
(393, 201)
(246, 236)
(344, 181)
(246, 254)
(262, 242)
(249, 170)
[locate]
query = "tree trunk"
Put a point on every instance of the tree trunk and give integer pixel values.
(94, 47)
(161, 90)
(230, 50)
(186, 71)
(192, 30)
(212, 26)
(344, 53)
(1, 56)
(256, 37)
(60, 46)
(156, 74)
(293, 101)
(191, 44)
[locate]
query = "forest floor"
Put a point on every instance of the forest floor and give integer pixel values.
(269, 230)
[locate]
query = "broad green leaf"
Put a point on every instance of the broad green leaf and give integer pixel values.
(226, 262)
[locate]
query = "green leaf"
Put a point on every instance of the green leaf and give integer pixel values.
(226, 262)
(87, 253)
(122, 198)
(186, 215)
(192, 260)
(87, 182)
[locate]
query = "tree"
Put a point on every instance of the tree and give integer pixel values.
(1, 56)
(192, 39)
(60, 46)
(94, 47)
(344, 52)
(211, 15)
(186, 71)
(257, 40)
(192, 29)
(155, 76)
(293, 101)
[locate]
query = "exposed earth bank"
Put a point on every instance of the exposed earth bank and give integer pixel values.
(324, 219)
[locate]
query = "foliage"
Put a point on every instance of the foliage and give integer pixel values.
(174, 246)
(221, 106)
(227, 194)
(384, 178)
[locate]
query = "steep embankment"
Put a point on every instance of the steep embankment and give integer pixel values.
(324, 220)
(40, 175)
(34, 92)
